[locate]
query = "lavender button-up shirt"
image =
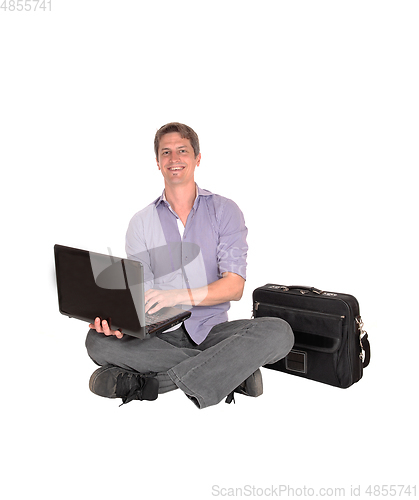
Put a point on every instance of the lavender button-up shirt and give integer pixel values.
(213, 242)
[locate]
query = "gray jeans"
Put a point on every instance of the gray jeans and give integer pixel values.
(207, 372)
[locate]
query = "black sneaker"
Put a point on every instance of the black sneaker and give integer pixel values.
(114, 382)
(252, 386)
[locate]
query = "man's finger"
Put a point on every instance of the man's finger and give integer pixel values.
(152, 306)
(97, 326)
(106, 330)
(149, 293)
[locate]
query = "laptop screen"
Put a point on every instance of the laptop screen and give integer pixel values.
(91, 285)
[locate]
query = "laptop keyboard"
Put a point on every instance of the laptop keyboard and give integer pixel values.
(166, 318)
(157, 318)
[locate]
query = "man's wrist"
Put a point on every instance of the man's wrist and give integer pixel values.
(191, 297)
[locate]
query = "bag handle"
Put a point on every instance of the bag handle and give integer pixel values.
(305, 289)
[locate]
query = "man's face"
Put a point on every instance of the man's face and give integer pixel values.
(176, 159)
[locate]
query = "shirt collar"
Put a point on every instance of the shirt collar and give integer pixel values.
(199, 192)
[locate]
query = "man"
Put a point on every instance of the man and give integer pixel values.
(192, 244)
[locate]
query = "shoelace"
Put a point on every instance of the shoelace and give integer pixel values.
(230, 398)
(129, 387)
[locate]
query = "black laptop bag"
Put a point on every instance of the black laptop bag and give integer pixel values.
(330, 344)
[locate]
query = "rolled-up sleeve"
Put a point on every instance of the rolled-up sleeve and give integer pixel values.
(232, 247)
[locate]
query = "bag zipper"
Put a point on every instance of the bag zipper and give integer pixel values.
(257, 304)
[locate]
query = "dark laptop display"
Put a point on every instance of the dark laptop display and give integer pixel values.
(94, 285)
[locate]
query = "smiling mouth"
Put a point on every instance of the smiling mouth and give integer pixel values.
(175, 169)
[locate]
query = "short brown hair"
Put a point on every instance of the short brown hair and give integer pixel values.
(184, 131)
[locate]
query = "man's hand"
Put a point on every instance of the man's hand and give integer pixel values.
(104, 328)
(157, 299)
(229, 287)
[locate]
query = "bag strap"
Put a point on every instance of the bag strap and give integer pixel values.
(365, 345)
(365, 354)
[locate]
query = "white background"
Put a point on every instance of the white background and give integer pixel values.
(307, 113)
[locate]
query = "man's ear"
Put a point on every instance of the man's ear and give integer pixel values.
(157, 161)
(198, 160)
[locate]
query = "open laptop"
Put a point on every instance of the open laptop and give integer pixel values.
(92, 285)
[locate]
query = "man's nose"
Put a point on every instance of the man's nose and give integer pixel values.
(174, 157)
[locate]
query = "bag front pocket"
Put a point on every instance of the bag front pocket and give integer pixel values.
(318, 337)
